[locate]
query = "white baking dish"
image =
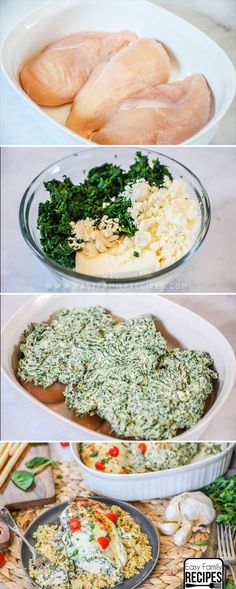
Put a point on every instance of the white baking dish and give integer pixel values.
(186, 328)
(155, 485)
(191, 51)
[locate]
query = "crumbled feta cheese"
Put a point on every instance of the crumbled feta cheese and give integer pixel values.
(167, 221)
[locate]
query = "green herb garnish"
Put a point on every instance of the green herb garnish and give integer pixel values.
(106, 460)
(91, 524)
(222, 493)
(136, 254)
(91, 538)
(74, 554)
(94, 454)
(99, 194)
(89, 510)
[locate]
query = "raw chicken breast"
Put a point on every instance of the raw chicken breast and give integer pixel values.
(168, 114)
(143, 63)
(56, 75)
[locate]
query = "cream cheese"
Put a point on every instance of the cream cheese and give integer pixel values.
(117, 264)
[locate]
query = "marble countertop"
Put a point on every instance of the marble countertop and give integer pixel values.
(216, 19)
(212, 269)
(34, 423)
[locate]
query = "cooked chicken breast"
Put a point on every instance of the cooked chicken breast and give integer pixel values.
(167, 114)
(116, 463)
(143, 63)
(100, 550)
(57, 74)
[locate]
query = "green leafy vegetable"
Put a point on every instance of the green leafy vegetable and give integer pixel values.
(36, 461)
(223, 493)
(141, 169)
(230, 584)
(200, 543)
(24, 479)
(99, 194)
(94, 454)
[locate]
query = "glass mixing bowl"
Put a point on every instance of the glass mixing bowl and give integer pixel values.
(76, 166)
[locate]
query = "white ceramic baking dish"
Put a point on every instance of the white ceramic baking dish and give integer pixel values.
(191, 51)
(155, 485)
(186, 329)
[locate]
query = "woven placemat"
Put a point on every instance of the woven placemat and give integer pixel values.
(169, 570)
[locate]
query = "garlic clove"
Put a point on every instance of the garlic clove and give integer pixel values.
(183, 534)
(168, 528)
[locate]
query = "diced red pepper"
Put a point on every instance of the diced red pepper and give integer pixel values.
(114, 451)
(99, 465)
(143, 447)
(64, 444)
(104, 542)
(74, 524)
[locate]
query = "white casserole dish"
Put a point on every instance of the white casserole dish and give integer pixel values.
(184, 327)
(191, 51)
(155, 485)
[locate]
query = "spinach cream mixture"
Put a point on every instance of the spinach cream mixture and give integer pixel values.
(135, 457)
(122, 372)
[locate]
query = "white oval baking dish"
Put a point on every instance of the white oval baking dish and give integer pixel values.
(155, 485)
(192, 51)
(185, 328)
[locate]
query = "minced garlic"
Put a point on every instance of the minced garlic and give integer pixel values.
(94, 239)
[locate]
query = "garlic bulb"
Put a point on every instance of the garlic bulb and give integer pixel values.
(195, 507)
(183, 534)
(168, 528)
(172, 512)
(187, 512)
